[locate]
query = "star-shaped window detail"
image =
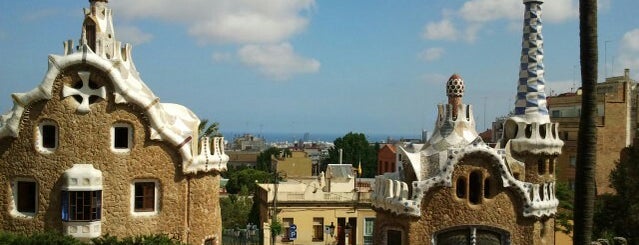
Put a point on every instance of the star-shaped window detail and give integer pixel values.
(85, 92)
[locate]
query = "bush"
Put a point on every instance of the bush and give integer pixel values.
(40, 238)
(52, 237)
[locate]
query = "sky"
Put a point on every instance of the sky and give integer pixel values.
(330, 66)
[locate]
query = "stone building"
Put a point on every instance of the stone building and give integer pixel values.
(616, 127)
(92, 151)
(456, 189)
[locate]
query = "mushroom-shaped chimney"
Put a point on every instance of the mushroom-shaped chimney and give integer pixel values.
(455, 91)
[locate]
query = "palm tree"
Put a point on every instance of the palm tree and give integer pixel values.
(207, 130)
(587, 144)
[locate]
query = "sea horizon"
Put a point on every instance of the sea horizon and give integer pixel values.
(327, 137)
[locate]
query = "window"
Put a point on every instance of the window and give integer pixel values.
(475, 186)
(47, 136)
(25, 197)
(286, 225)
(479, 235)
(573, 161)
(144, 196)
(122, 135)
(460, 187)
(81, 205)
(318, 229)
(210, 241)
(541, 166)
(487, 188)
(369, 226)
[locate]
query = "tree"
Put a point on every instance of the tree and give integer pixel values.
(564, 215)
(208, 130)
(355, 148)
(618, 214)
(587, 144)
(264, 159)
(246, 179)
(235, 211)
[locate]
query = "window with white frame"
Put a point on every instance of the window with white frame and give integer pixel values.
(121, 137)
(369, 226)
(82, 205)
(47, 136)
(318, 229)
(144, 200)
(25, 197)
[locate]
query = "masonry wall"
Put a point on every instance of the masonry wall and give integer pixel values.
(442, 209)
(86, 139)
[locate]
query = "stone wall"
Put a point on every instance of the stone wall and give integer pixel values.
(86, 139)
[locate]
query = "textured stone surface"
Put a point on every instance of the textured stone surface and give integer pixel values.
(86, 138)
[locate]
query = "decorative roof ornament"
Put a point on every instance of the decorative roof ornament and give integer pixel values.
(531, 97)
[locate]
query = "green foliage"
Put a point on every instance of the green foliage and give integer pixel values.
(264, 159)
(355, 148)
(209, 130)
(276, 228)
(160, 239)
(40, 238)
(236, 211)
(618, 214)
(564, 212)
(51, 237)
(245, 179)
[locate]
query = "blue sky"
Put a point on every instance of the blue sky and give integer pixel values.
(331, 66)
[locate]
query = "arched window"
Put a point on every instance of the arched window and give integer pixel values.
(487, 188)
(541, 166)
(475, 187)
(460, 187)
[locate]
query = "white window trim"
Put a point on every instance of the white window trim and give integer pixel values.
(129, 140)
(156, 202)
(14, 200)
(39, 138)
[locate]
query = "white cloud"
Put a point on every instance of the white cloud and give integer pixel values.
(226, 21)
(475, 15)
(221, 57)
(442, 30)
(277, 61)
(490, 10)
(132, 35)
(628, 53)
(431, 54)
(261, 28)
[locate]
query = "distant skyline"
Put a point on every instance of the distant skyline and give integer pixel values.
(323, 67)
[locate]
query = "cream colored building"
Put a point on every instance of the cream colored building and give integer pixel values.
(297, 164)
(316, 204)
(92, 151)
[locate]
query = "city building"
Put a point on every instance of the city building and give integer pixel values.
(455, 189)
(332, 208)
(238, 159)
(386, 159)
(295, 164)
(91, 151)
(616, 127)
(248, 142)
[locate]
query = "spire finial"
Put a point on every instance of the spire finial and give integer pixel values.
(531, 97)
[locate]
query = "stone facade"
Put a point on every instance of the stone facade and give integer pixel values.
(456, 189)
(86, 94)
(616, 127)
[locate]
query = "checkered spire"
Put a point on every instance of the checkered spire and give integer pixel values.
(531, 98)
